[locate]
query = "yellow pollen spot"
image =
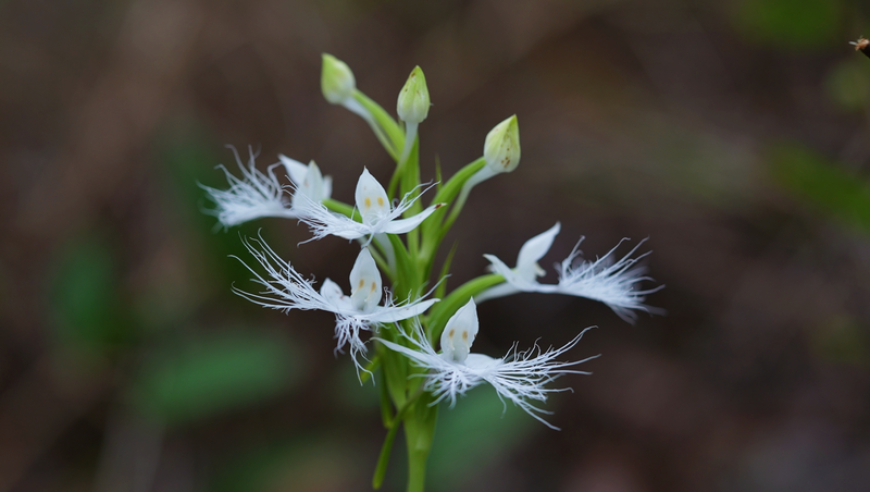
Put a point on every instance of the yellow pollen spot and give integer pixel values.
(464, 336)
(368, 203)
(380, 201)
(361, 283)
(451, 333)
(374, 286)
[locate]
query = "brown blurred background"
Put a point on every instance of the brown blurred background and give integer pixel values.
(733, 134)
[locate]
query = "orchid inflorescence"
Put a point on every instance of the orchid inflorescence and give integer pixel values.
(405, 322)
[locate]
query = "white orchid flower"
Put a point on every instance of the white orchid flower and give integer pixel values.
(519, 376)
(257, 195)
(285, 289)
(377, 213)
(614, 283)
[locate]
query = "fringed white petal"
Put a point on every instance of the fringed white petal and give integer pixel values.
(286, 289)
(255, 195)
(613, 282)
(324, 222)
(519, 377)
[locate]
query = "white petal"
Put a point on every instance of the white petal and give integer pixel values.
(512, 278)
(459, 333)
(334, 295)
(402, 226)
(313, 184)
(365, 282)
(391, 314)
(327, 187)
(371, 198)
(532, 251)
(295, 169)
(482, 362)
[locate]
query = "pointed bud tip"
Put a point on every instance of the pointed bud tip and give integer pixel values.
(413, 103)
(502, 146)
(336, 80)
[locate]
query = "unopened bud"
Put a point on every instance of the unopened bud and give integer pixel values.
(336, 80)
(413, 104)
(502, 146)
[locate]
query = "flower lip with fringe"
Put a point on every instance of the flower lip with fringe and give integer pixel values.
(259, 195)
(612, 282)
(520, 376)
(285, 289)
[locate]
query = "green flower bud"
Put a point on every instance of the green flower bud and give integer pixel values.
(502, 146)
(413, 104)
(336, 80)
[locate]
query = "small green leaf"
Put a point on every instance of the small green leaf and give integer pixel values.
(445, 270)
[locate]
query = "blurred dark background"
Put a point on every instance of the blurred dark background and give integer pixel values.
(733, 134)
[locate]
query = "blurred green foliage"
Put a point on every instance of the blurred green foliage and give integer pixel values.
(823, 183)
(210, 375)
(85, 299)
(842, 340)
(848, 84)
(188, 161)
(790, 24)
(478, 432)
(305, 462)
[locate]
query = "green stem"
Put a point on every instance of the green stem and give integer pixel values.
(432, 229)
(385, 127)
(342, 208)
(369, 369)
(419, 432)
(387, 448)
(417, 470)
